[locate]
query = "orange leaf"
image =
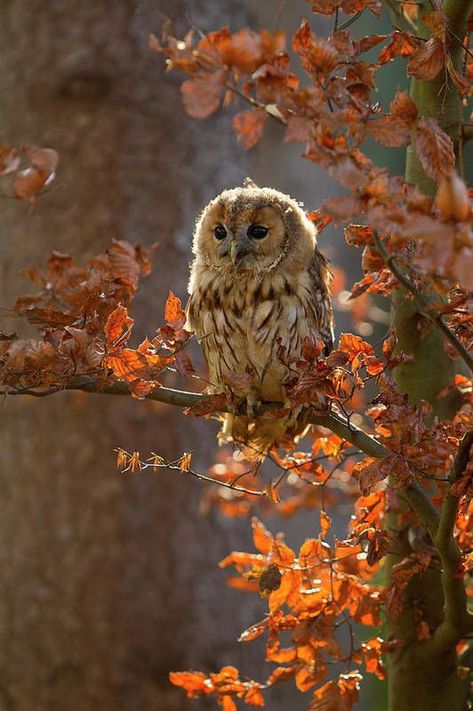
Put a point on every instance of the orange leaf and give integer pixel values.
(402, 45)
(227, 703)
(427, 60)
(281, 674)
(262, 538)
(339, 695)
(202, 95)
(249, 127)
(173, 312)
(325, 523)
(193, 682)
(117, 322)
(254, 697)
(28, 182)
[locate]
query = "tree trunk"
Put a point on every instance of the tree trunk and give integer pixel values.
(108, 581)
(421, 674)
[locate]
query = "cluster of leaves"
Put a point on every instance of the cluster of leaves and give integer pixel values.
(311, 595)
(422, 241)
(407, 237)
(81, 314)
(333, 115)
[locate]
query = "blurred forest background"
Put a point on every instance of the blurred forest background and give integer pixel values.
(109, 582)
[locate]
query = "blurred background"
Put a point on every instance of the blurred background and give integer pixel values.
(108, 582)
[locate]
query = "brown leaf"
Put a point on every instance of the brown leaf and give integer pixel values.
(318, 55)
(373, 472)
(46, 159)
(427, 60)
(249, 127)
(462, 84)
(202, 95)
(390, 131)
(434, 149)
(403, 107)
(208, 404)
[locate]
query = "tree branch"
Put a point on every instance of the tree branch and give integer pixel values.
(334, 422)
(422, 302)
(457, 621)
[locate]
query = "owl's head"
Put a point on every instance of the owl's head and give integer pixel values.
(252, 229)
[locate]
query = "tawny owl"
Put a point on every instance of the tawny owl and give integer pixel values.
(258, 282)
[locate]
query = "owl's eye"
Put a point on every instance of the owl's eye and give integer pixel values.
(220, 232)
(257, 231)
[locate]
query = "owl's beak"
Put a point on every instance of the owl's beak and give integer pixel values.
(237, 252)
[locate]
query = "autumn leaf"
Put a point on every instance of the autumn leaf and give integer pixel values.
(434, 149)
(192, 682)
(391, 131)
(203, 95)
(262, 539)
(317, 54)
(427, 60)
(325, 523)
(249, 127)
(403, 107)
(28, 182)
(173, 312)
(117, 322)
(339, 695)
(402, 44)
(370, 473)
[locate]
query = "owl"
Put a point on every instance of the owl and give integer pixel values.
(258, 282)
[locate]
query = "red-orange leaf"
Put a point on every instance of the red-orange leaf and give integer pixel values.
(427, 60)
(117, 322)
(202, 95)
(390, 131)
(434, 149)
(249, 127)
(173, 312)
(193, 682)
(402, 45)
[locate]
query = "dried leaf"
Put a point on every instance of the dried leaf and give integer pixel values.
(249, 127)
(434, 149)
(173, 312)
(203, 95)
(427, 60)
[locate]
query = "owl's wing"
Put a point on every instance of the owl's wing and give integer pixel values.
(321, 277)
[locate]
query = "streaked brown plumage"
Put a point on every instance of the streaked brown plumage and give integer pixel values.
(258, 281)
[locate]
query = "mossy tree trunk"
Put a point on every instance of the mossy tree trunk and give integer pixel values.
(423, 674)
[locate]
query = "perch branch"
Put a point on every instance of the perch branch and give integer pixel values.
(413, 493)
